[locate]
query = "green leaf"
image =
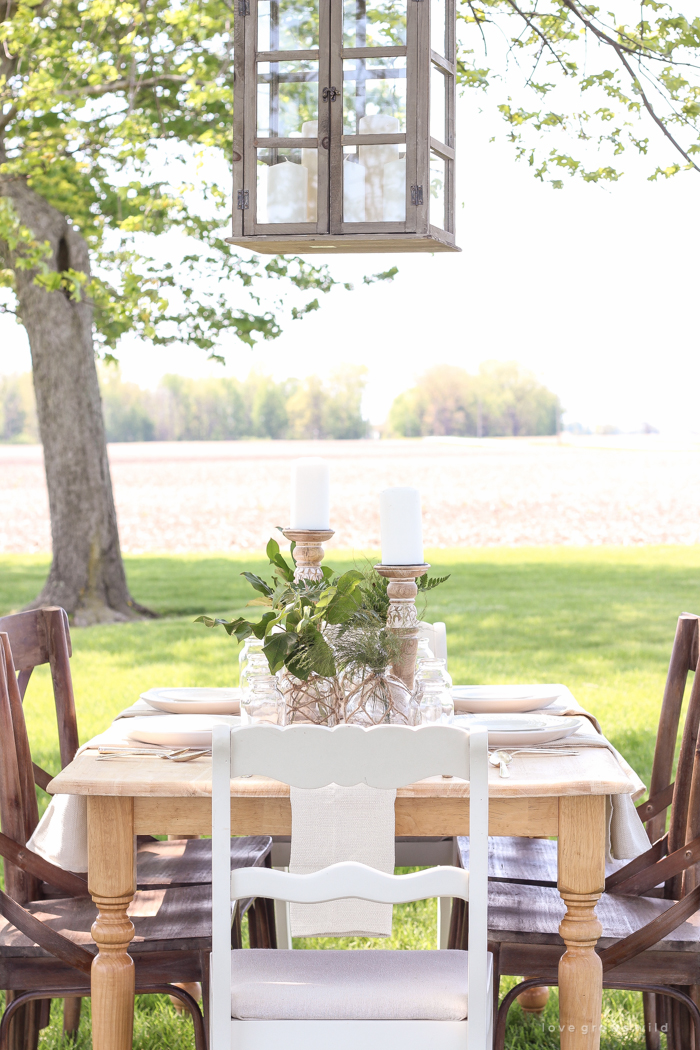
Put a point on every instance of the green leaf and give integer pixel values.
(268, 620)
(281, 568)
(429, 584)
(343, 607)
(277, 648)
(328, 573)
(313, 654)
(258, 584)
(349, 580)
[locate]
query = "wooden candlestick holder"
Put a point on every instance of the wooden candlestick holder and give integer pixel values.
(402, 616)
(308, 552)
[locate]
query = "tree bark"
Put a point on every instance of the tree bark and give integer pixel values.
(87, 575)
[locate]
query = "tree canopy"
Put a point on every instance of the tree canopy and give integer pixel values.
(503, 400)
(578, 84)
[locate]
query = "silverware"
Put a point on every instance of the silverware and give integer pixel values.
(501, 759)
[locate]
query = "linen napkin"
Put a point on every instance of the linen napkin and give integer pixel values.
(334, 824)
(61, 835)
(626, 836)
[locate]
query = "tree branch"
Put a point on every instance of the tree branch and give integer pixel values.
(95, 90)
(540, 34)
(620, 52)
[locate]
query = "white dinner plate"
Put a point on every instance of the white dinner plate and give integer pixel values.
(191, 701)
(178, 730)
(521, 730)
(489, 699)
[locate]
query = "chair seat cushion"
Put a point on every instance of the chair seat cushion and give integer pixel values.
(349, 985)
(523, 860)
(531, 915)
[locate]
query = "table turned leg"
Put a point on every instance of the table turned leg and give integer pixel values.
(581, 882)
(111, 883)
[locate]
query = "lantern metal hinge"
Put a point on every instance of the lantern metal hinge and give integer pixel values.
(243, 200)
(416, 195)
(243, 8)
(329, 94)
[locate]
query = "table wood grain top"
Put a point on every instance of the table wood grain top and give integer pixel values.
(594, 771)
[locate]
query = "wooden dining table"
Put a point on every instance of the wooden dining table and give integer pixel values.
(545, 796)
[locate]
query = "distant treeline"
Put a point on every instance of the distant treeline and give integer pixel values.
(221, 409)
(502, 400)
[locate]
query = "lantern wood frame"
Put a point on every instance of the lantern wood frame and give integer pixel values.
(330, 232)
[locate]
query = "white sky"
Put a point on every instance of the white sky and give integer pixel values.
(595, 289)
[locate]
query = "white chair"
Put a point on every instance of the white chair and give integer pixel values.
(377, 1000)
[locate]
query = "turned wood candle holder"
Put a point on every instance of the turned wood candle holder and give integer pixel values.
(402, 616)
(308, 552)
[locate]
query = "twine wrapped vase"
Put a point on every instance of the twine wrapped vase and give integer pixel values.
(372, 698)
(317, 700)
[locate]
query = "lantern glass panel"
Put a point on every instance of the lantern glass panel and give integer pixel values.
(287, 25)
(374, 183)
(287, 185)
(438, 27)
(374, 96)
(438, 191)
(287, 98)
(374, 23)
(438, 112)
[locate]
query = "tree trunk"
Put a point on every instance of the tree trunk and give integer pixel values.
(87, 573)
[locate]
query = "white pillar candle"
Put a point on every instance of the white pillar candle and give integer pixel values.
(310, 507)
(394, 185)
(440, 636)
(309, 160)
(353, 192)
(401, 526)
(374, 158)
(287, 192)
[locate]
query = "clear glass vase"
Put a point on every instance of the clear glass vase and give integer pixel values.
(256, 667)
(373, 698)
(433, 691)
(316, 700)
(252, 652)
(263, 701)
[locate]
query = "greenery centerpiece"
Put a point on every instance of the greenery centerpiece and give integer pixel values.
(324, 638)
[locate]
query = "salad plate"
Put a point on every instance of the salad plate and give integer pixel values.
(190, 701)
(490, 699)
(508, 730)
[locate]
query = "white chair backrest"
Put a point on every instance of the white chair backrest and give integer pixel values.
(312, 757)
(309, 756)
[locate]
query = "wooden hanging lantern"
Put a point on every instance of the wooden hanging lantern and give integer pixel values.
(344, 116)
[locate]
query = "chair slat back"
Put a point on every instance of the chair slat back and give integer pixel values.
(680, 808)
(307, 756)
(349, 879)
(684, 658)
(13, 819)
(384, 757)
(42, 636)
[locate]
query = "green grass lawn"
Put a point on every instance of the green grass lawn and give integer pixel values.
(599, 619)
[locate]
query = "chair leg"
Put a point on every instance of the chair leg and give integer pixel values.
(204, 966)
(22, 1032)
(71, 1017)
(652, 1036)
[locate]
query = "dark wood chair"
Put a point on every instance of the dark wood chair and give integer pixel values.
(42, 636)
(172, 921)
(534, 861)
(651, 937)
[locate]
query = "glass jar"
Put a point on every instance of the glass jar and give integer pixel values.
(252, 649)
(424, 651)
(256, 667)
(317, 699)
(433, 689)
(263, 701)
(372, 698)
